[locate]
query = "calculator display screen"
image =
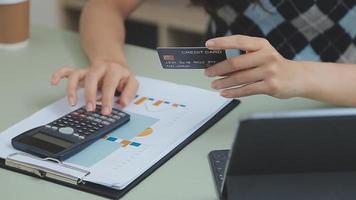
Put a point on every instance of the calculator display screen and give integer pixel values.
(53, 140)
(43, 141)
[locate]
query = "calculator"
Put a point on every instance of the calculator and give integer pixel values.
(69, 134)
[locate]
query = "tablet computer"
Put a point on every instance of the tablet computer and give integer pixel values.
(296, 151)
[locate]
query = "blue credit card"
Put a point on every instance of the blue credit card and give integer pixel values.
(189, 57)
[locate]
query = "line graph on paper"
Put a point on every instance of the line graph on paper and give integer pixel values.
(158, 107)
(145, 112)
(138, 127)
(152, 104)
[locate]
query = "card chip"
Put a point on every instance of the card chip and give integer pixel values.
(169, 57)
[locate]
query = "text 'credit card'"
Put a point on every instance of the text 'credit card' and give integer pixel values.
(189, 57)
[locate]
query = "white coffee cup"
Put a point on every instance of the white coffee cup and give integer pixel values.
(14, 23)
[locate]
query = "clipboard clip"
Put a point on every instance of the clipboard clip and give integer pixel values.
(45, 172)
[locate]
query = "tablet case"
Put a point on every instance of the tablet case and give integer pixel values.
(305, 155)
(117, 194)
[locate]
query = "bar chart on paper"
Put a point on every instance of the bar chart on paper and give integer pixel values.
(156, 105)
(163, 117)
(130, 136)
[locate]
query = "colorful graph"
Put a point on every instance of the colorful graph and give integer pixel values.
(146, 132)
(125, 142)
(122, 142)
(157, 103)
(129, 136)
(139, 100)
(122, 137)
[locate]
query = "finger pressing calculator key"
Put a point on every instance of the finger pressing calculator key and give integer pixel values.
(69, 134)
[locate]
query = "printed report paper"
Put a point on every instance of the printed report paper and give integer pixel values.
(163, 115)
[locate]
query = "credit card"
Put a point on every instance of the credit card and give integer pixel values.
(189, 57)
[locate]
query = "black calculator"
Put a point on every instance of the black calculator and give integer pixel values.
(69, 134)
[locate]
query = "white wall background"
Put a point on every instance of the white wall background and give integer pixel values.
(45, 12)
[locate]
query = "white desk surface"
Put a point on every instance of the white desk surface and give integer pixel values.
(25, 88)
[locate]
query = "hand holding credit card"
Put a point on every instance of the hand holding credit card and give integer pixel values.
(189, 57)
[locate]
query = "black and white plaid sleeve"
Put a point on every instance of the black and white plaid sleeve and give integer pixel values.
(315, 30)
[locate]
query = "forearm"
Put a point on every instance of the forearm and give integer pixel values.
(330, 82)
(102, 30)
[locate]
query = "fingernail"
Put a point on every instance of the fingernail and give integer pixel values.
(90, 107)
(106, 110)
(224, 94)
(71, 101)
(208, 73)
(210, 43)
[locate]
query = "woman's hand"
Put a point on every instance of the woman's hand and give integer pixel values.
(262, 70)
(106, 76)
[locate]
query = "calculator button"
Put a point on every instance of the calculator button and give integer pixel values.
(81, 111)
(122, 114)
(66, 130)
(90, 118)
(81, 137)
(48, 126)
(91, 130)
(98, 120)
(105, 122)
(116, 117)
(74, 116)
(54, 127)
(111, 120)
(76, 134)
(97, 126)
(95, 115)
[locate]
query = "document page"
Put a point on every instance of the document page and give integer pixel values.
(163, 115)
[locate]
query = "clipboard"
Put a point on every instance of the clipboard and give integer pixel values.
(104, 191)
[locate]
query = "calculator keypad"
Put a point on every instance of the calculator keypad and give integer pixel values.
(82, 124)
